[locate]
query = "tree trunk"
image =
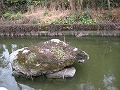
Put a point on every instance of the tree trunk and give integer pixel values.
(1, 7)
(108, 2)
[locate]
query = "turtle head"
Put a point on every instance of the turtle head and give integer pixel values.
(81, 56)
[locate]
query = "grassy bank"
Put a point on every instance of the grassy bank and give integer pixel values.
(43, 16)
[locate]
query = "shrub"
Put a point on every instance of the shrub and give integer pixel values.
(9, 15)
(76, 18)
(85, 18)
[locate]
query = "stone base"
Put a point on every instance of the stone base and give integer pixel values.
(65, 73)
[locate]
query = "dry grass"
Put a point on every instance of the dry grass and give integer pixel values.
(98, 15)
(116, 13)
(46, 16)
(38, 16)
(103, 16)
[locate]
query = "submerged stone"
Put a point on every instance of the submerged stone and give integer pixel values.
(46, 58)
(65, 73)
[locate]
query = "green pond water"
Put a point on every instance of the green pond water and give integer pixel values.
(100, 72)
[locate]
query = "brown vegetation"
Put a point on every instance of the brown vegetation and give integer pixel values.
(45, 16)
(116, 13)
(52, 10)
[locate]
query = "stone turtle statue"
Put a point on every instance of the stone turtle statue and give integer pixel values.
(52, 58)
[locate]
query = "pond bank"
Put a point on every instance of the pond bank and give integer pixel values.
(108, 29)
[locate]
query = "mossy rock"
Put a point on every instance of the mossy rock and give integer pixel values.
(45, 58)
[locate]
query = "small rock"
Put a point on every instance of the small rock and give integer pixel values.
(65, 73)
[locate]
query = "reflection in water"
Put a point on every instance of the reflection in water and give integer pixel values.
(25, 87)
(109, 82)
(86, 86)
(6, 78)
(14, 47)
(4, 57)
(5, 53)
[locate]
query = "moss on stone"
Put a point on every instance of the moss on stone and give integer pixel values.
(59, 53)
(46, 57)
(31, 56)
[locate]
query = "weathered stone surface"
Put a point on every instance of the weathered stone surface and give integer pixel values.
(65, 73)
(46, 58)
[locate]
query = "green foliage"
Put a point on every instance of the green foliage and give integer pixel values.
(10, 15)
(17, 15)
(36, 2)
(44, 3)
(29, 1)
(7, 15)
(85, 18)
(76, 18)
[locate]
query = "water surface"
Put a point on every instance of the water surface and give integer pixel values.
(101, 72)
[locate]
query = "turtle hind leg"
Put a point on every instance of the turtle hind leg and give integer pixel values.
(64, 73)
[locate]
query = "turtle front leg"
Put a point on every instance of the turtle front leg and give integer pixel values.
(64, 73)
